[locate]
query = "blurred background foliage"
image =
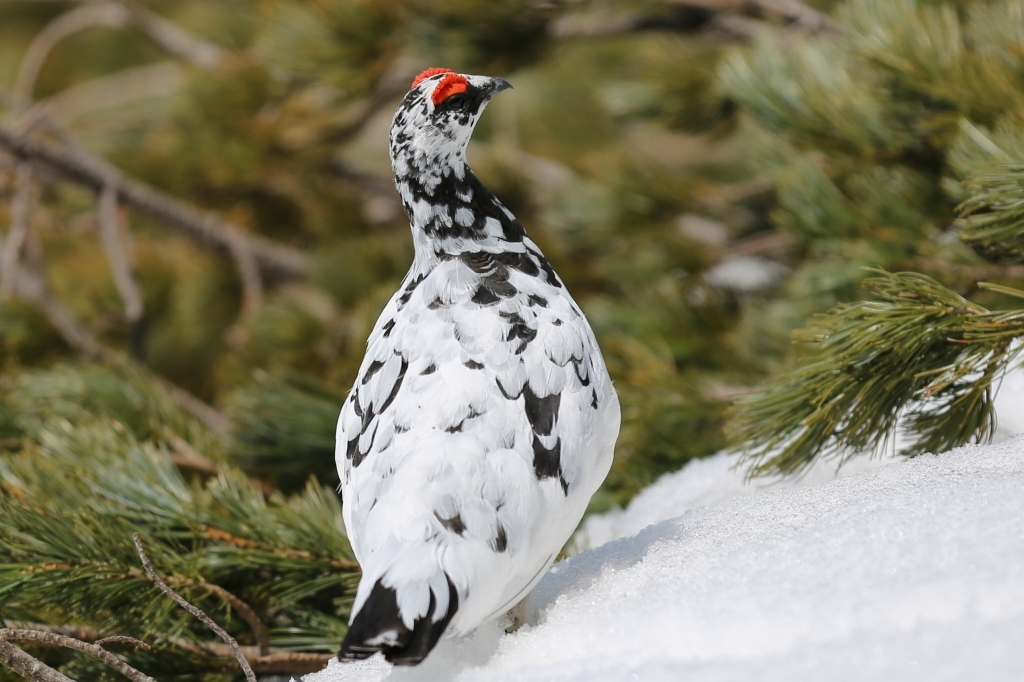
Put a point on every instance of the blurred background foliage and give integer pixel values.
(705, 175)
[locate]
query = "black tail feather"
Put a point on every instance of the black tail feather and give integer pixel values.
(378, 627)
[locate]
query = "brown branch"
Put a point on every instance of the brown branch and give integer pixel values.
(30, 287)
(110, 92)
(242, 543)
(28, 667)
(84, 168)
(95, 650)
(187, 457)
(123, 639)
(171, 37)
(394, 83)
(112, 238)
(276, 661)
(722, 19)
(793, 13)
(206, 620)
(248, 270)
(214, 419)
(76, 20)
(975, 272)
(21, 214)
(245, 612)
(774, 244)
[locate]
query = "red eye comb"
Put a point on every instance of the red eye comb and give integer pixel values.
(452, 84)
(428, 73)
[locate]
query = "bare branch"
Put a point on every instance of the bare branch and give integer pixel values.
(793, 13)
(175, 39)
(187, 457)
(276, 661)
(95, 650)
(21, 214)
(123, 639)
(111, 235)
(105, 14)
(82, 167)
(774, 244)
(28, 667)
(106, 93)
(721, 19)
(171, 37)
(206, 620)
(246, 612)
(979, 272)
(214, 419)
(248, 270)
(30, 287)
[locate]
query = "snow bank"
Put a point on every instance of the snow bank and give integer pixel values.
(912, 570)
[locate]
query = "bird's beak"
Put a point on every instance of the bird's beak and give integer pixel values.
(495, 86)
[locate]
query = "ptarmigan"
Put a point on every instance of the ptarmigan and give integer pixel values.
(483, 418)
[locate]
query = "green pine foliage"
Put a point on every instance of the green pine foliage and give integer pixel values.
(593, 151)
(80, 481)
(897, 145)
(607, 148)
(702, 197)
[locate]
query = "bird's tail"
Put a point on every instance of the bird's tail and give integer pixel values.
(378, 626)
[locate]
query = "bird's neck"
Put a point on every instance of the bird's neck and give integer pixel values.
(450, 212)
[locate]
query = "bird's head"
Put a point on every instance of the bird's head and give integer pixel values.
(433, 125)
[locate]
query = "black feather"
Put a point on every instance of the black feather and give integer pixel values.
(380, 617)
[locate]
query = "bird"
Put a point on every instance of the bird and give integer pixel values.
(482, 419)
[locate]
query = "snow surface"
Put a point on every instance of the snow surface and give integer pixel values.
(897, 569)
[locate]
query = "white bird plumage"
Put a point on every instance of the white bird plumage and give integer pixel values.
(483, 418)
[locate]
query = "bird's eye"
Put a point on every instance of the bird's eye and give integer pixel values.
(457, 102)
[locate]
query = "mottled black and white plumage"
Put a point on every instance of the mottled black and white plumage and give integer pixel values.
(483, 418)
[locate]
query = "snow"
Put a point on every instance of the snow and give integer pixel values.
(895, 569)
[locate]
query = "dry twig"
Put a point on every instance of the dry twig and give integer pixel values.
(171, 37)
(21, 214)
(114, 91)
(118, 255)
(723, 19)
(39, 670)
(30, 287)
(79, 166)
(793, 13)
(198, 613)
(28, 667)
(276, 661)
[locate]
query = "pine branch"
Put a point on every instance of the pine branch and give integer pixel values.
(992, 220)
(198, 613)
(916, 350)
(95, 650)
(88, 170)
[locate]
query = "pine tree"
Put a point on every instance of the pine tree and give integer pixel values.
(897, 146)
(200, 229)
